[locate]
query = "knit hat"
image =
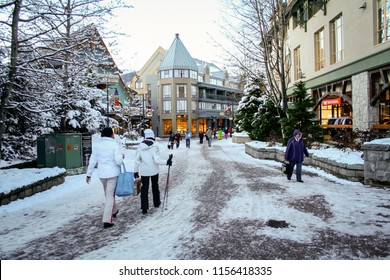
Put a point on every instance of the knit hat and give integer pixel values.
(149, 133)
(106, 132)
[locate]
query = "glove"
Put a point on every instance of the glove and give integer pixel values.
(169, 161)
(136, 175)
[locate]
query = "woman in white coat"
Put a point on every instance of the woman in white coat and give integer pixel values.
(107, 155)
(147, 161)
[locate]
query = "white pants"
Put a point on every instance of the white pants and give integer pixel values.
(109, 185)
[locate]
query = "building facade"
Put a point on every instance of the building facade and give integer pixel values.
(341, 49)
(182, 93)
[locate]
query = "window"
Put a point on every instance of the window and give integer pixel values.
(336, 27)
(319, 49)
(297, 63)
(193, 91)
(167, 91)
(166, 74)
(181, 91)
(193, 106)
(194, 74)
(167, 107)
(182, 106)
(383, 20)
(139, 84)
(180, 73)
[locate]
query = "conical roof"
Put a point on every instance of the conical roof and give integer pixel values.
(178, 57)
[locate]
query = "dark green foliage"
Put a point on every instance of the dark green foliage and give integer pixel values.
(257, 115)
(300, 116)
(354, 139)
(266, 127)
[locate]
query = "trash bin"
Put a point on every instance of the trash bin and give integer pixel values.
(62, 150)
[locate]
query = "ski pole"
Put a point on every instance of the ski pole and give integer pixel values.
(165, 199)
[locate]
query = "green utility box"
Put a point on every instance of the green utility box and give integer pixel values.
(61, 149)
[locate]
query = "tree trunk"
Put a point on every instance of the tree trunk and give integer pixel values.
(12, 69)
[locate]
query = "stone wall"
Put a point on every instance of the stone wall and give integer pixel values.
(362, 115)
(32, 189)
(377, 162)
(352, 172)
(240, 138)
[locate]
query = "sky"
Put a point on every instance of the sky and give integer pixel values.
(155, 237)
(153, 23)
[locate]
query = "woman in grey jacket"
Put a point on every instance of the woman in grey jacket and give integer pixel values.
(147, 161)
(107, 155)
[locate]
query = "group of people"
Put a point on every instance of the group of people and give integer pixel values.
(107, 156)
(174, 139)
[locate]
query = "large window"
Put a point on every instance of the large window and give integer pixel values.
(167, 106)
(166, 74)
(180, 73)
(319, 49)
(336, 27)
(383, 20)
(194, 91)
(181, 91)
(182, 106)
(167, 91)
(297, 63)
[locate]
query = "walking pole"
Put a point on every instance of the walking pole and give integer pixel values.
(165, 199)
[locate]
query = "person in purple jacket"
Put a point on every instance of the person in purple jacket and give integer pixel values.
(294, 154)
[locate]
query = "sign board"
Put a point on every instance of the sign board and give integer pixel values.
(331, 102)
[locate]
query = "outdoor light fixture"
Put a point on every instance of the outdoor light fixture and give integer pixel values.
(363, 6)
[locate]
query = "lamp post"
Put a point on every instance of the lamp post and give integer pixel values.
(108, 107)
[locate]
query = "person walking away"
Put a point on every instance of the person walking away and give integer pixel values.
(230, 131)
(177, 139)
(215, 133)
(188, 136)
(219, 133)
(209, 136)
(171, 140)
(107, 155)
(201, 136)
(147, 161)
(226, 133)
(294, 154)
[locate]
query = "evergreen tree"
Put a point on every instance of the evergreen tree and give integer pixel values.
(248, 107)
(267, 127)
(300, 116)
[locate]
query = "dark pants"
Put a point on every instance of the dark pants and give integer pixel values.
(145, 191)
(187, 143)
(298, 171)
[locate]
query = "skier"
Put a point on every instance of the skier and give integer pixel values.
(147, 160)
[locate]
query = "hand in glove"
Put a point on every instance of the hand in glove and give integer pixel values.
(169, 161)
(136, 175)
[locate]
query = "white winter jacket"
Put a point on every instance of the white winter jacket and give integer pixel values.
(107, 154)
(148, 158)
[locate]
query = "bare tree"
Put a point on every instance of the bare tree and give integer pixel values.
(257, 29)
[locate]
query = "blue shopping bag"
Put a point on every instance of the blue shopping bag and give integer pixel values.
(125, 183)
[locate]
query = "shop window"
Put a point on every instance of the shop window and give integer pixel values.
(167, 126)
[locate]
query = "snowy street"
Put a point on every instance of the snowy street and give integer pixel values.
(220, 204)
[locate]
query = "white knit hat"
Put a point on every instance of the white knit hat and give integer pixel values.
(149, 133)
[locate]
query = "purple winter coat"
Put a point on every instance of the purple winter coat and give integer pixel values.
(295, 149)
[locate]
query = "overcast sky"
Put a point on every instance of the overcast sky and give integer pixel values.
(154, 23)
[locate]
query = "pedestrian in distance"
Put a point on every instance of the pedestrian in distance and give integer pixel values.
(188, 136)
(201, 136)
(294, 155)
(178, 138)
(108, 156)
(226, 133)
(220, 134)
(215, 133)
(171, 140)
(209, 136)
(147, 161)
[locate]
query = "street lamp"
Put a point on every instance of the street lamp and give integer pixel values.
(108, 107)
